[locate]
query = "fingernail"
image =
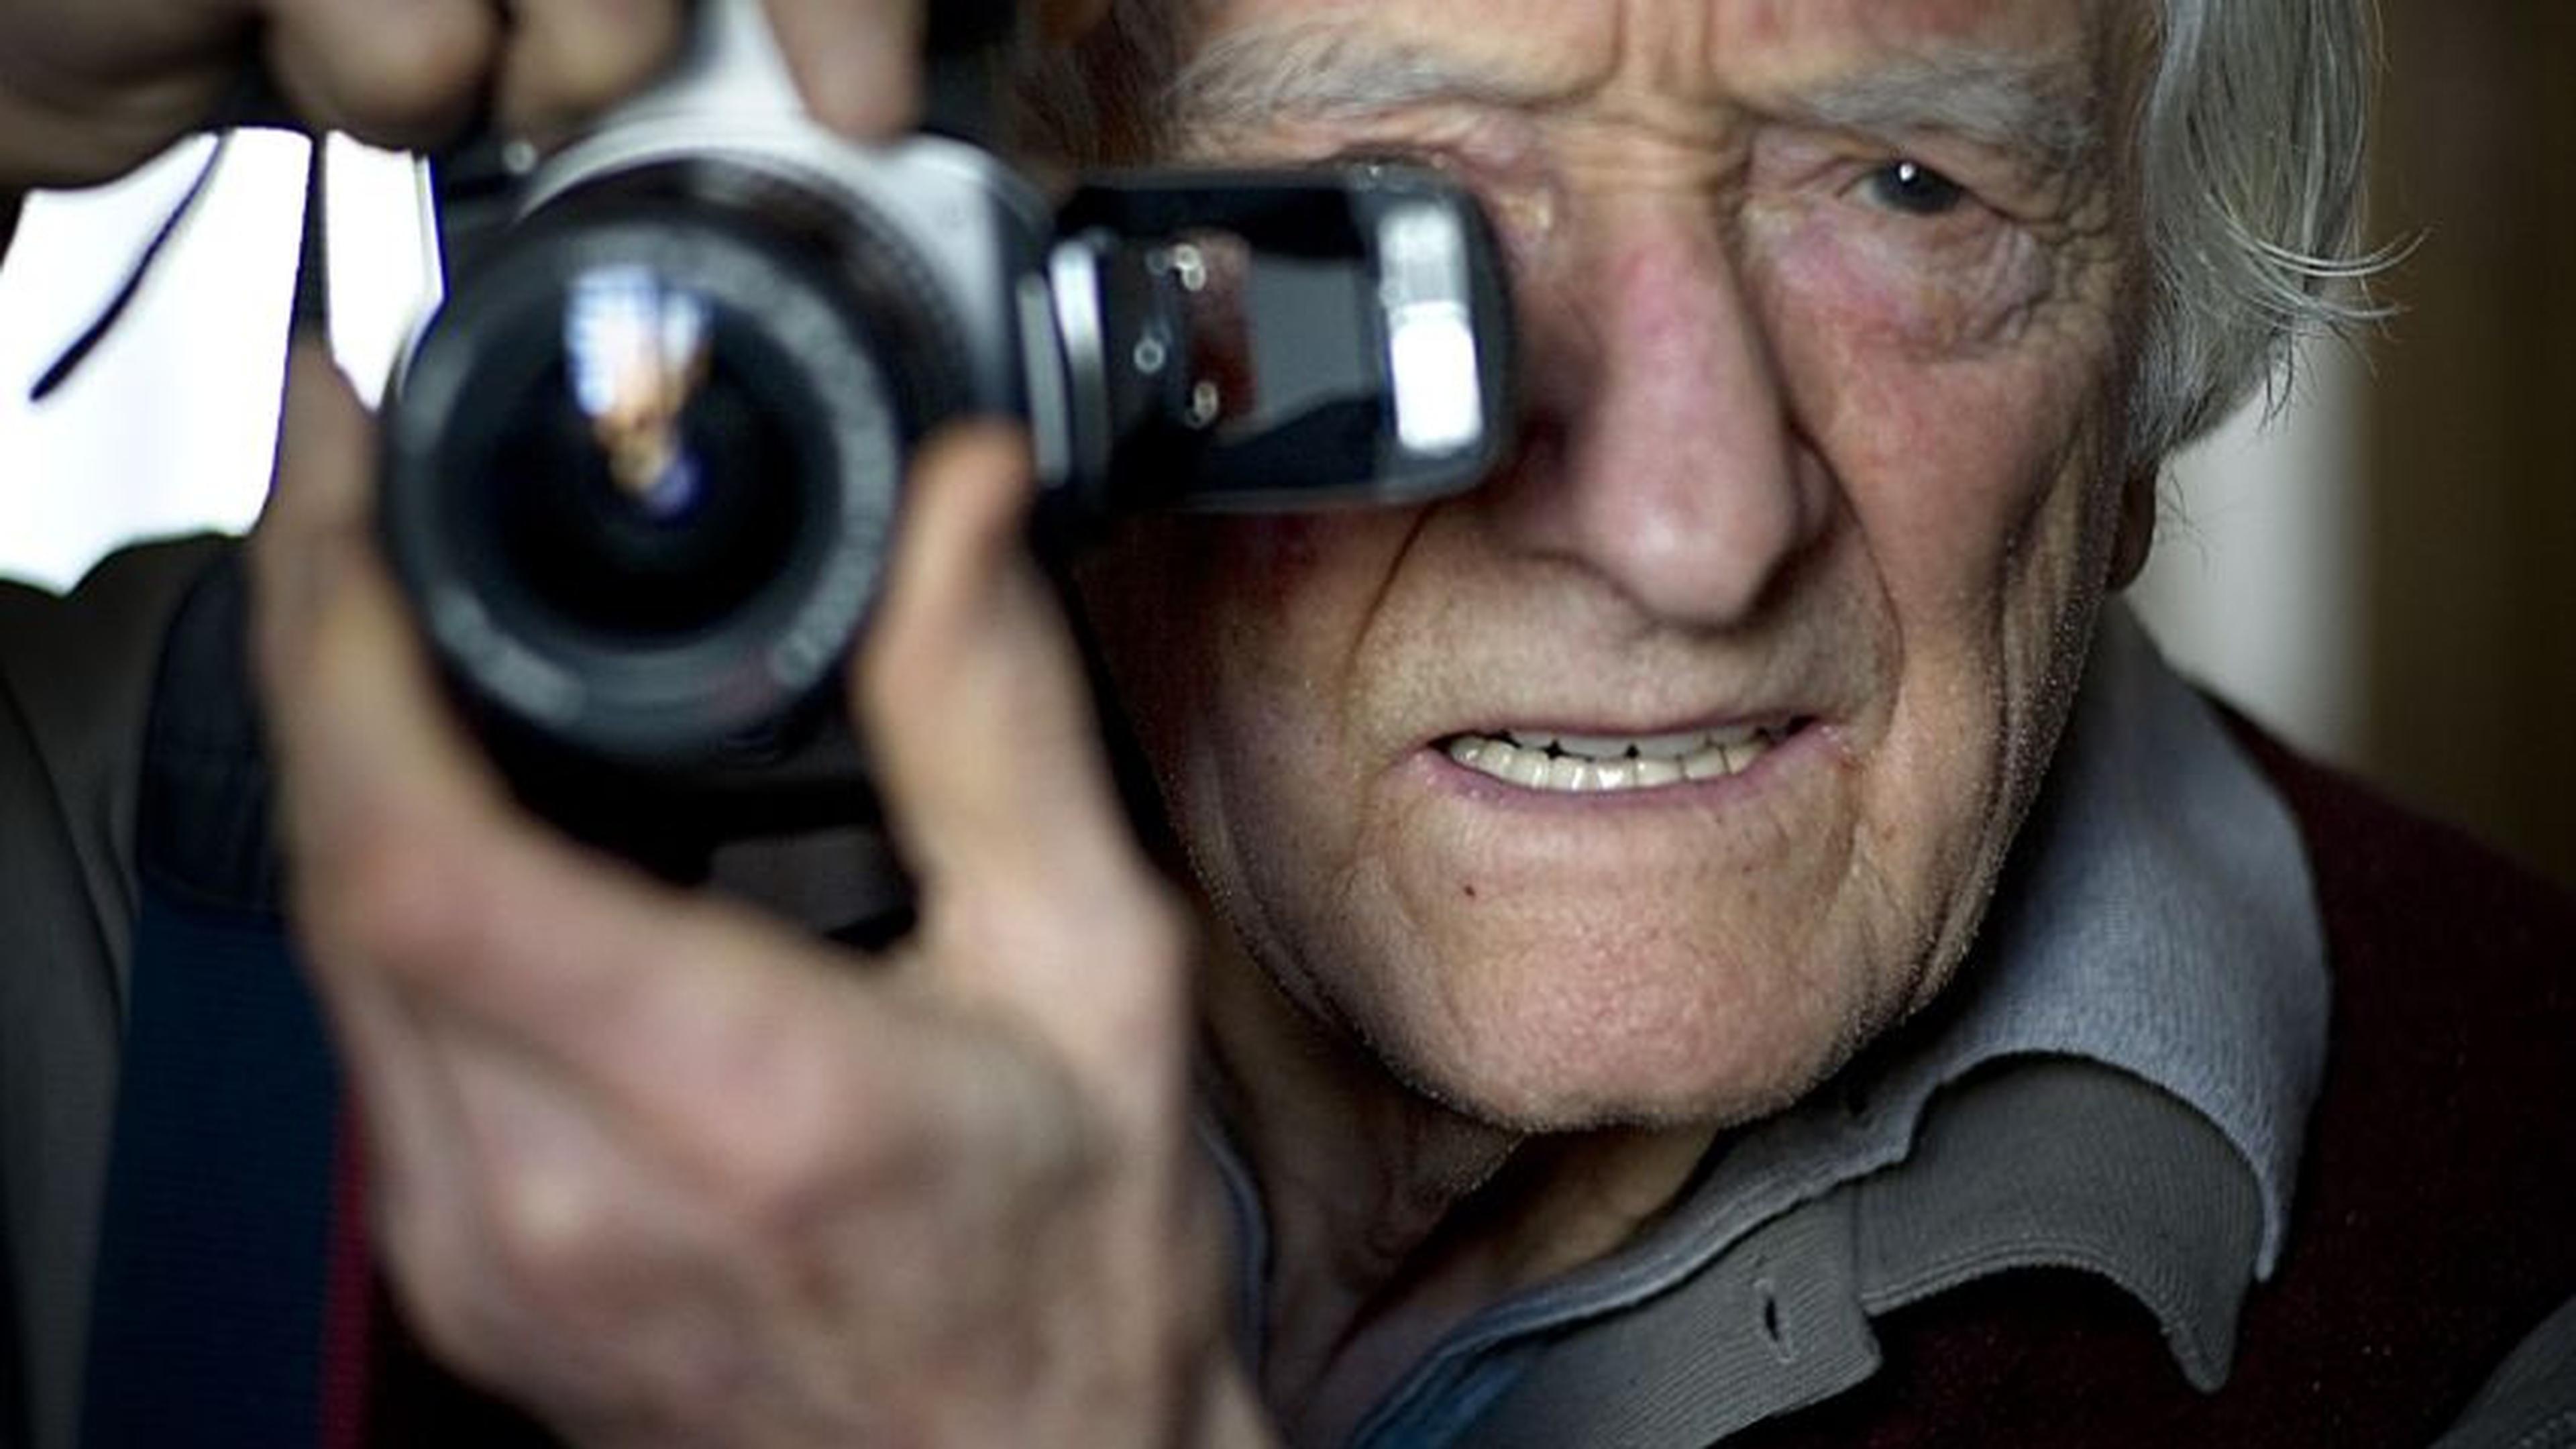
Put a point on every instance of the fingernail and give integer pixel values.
(857, 79)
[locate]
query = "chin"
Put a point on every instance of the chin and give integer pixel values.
(1562, 1045)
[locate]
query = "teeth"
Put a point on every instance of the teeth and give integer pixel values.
(1571, 764)
(1593, 747)
(1711, 764)
(1688, 743)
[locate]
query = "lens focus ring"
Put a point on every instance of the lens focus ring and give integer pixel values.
(641, 473)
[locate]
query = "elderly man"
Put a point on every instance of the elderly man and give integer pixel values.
(1723, 930)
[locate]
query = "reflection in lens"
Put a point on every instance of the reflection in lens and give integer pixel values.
(638, 353)
(649, 481)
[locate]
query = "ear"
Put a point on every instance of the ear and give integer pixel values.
(2137, 527)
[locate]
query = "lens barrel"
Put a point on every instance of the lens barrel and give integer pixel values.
(642, 471)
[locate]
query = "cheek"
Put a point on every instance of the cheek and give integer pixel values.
(1265, 568)
(1962, 470)
(1171, 598)
(1233, 643)
(1979, 514)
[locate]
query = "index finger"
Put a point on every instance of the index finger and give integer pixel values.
(857, 62)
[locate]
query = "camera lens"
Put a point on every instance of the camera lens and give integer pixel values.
(647, 486)
(641, 475)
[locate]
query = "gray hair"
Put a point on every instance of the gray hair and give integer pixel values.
(2252, 148)
(2250, 145)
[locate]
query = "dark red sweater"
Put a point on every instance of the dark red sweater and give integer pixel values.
(2435, 1222)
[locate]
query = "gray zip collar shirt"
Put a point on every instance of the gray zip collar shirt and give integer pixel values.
(2118, 1082)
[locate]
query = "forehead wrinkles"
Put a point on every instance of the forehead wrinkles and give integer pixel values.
(1338, 59)
(2056, 27)
(1996, 64)
(2041, 45)
(1520, 52)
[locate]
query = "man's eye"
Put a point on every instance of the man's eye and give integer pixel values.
(1914, 189)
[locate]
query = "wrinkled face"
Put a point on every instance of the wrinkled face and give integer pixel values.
(1649, 780)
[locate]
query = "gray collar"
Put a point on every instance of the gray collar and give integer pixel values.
(2038, 1162)
(2158, 919)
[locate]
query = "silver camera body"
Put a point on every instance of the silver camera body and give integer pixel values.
(643, 469)
(967, 227)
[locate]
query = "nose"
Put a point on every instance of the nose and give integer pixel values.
(1660, 455)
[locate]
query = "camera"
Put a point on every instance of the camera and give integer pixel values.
(644, 466)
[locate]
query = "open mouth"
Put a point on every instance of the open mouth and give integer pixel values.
(1599, 764)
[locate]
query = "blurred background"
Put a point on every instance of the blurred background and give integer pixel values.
(2468, 434)
(2382, 566)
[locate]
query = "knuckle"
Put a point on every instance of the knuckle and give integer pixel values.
(1041, 1133)
(808, 1166)
(765, 1170)
(769, 1200)
(769, 1181)
(553, 1235)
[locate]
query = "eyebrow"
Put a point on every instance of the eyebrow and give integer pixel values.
(2021, 108)
(1314, 70)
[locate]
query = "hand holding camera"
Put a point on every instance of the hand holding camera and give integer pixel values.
(668, 1172)
(656, 1166)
